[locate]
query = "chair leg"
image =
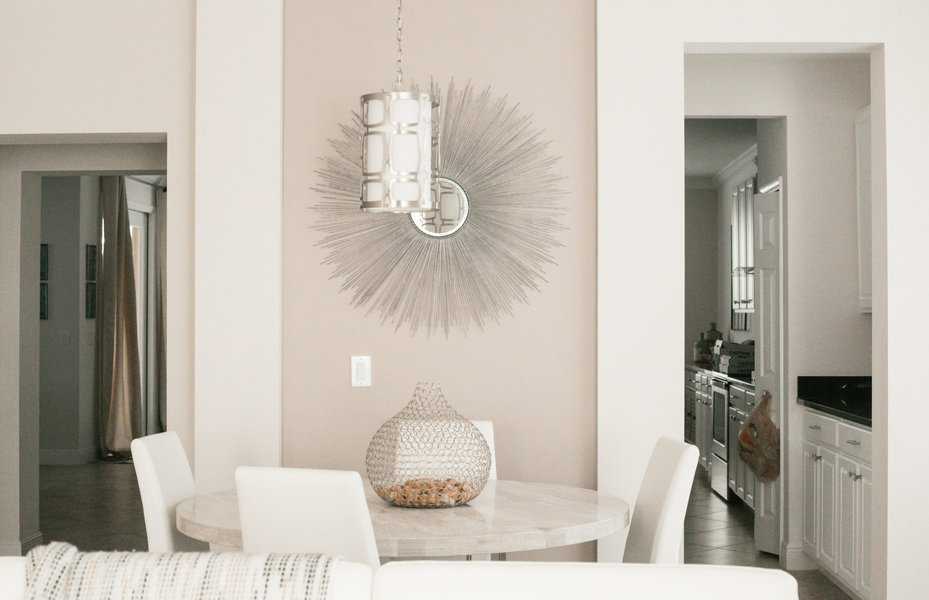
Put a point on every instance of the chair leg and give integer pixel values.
(499, 556)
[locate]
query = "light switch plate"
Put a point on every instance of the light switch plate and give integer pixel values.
(361, 371)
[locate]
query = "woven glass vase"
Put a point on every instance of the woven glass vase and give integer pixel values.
(427, 455)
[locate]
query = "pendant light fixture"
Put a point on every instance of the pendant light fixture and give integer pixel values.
(398, 142)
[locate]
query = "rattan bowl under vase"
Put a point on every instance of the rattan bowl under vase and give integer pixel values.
(427, 455)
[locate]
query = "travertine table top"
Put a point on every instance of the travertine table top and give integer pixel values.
(508, 516)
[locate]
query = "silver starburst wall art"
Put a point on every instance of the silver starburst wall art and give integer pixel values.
(480, 253)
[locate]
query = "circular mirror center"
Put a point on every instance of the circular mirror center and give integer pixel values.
(451, 210)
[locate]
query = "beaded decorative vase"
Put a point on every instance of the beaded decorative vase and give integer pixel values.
(427, 455)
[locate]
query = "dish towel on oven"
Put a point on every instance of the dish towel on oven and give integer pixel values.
(59, 572)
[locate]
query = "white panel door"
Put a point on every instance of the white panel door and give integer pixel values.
(768, 289)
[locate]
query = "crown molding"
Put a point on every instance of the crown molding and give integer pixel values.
(741, 167)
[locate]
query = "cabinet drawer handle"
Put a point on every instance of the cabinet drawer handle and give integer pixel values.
(815, 427)
(853, 442)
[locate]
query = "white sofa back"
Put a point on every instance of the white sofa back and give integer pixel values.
(13, 577)
(523, 581)
(577, 581)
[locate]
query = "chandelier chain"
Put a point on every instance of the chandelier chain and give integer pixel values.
(399, 44)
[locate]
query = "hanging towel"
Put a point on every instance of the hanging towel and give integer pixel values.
(760, 442)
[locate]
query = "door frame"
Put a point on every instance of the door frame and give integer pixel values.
(21, 169)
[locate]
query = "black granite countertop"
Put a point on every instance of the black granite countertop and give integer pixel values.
(738, 380)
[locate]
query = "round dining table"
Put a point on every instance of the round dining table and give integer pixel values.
(508, 516)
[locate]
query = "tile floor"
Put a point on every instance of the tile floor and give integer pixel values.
(720, 533)
(94, 507)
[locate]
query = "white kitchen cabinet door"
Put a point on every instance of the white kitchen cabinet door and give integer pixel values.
(733, 451)
(811, 460)
(864, 538)
(741, 476)
(750, 480)
(700, 426)
(827, 488)
(847, 522)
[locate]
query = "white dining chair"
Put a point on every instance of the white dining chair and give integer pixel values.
(657, 531)
(165, 479)
(305, 510)
(487, 430)
(424, 580)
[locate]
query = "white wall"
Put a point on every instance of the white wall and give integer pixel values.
(60, 335)
(238, 237)
(67, 409)
(640, 103)
(701, 252)
(87, 364)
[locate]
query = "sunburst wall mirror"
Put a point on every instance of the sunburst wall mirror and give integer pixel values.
(483, 249)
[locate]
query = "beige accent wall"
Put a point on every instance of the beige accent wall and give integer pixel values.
(534, 373)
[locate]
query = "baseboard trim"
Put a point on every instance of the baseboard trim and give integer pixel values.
(67, 456)
(797, 560)
(841, 584)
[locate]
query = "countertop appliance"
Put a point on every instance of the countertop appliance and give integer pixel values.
(845, 397)
(719, 468)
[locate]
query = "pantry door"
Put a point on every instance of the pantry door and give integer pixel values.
(769, 311)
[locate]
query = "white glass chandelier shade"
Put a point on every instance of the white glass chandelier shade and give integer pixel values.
(397, 151)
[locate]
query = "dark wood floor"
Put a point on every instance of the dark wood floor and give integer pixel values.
(721, 533)
(94, 507)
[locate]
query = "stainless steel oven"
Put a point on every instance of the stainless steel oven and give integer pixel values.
(719, 467)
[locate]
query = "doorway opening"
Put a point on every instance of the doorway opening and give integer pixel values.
(101, 350)
(734, 307)
(777, 224)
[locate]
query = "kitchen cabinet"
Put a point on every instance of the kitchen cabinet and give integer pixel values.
(704, 425)
(690, 400)
(847, 513)
(827, 502)
(864, 537)
(837, 500)
(811, 496)
(742, 248)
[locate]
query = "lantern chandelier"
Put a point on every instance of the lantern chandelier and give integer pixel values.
(400, 141)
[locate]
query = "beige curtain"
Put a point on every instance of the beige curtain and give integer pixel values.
(118, 380)
(161, 230)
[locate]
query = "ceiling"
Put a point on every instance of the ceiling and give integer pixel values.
(711, 144)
